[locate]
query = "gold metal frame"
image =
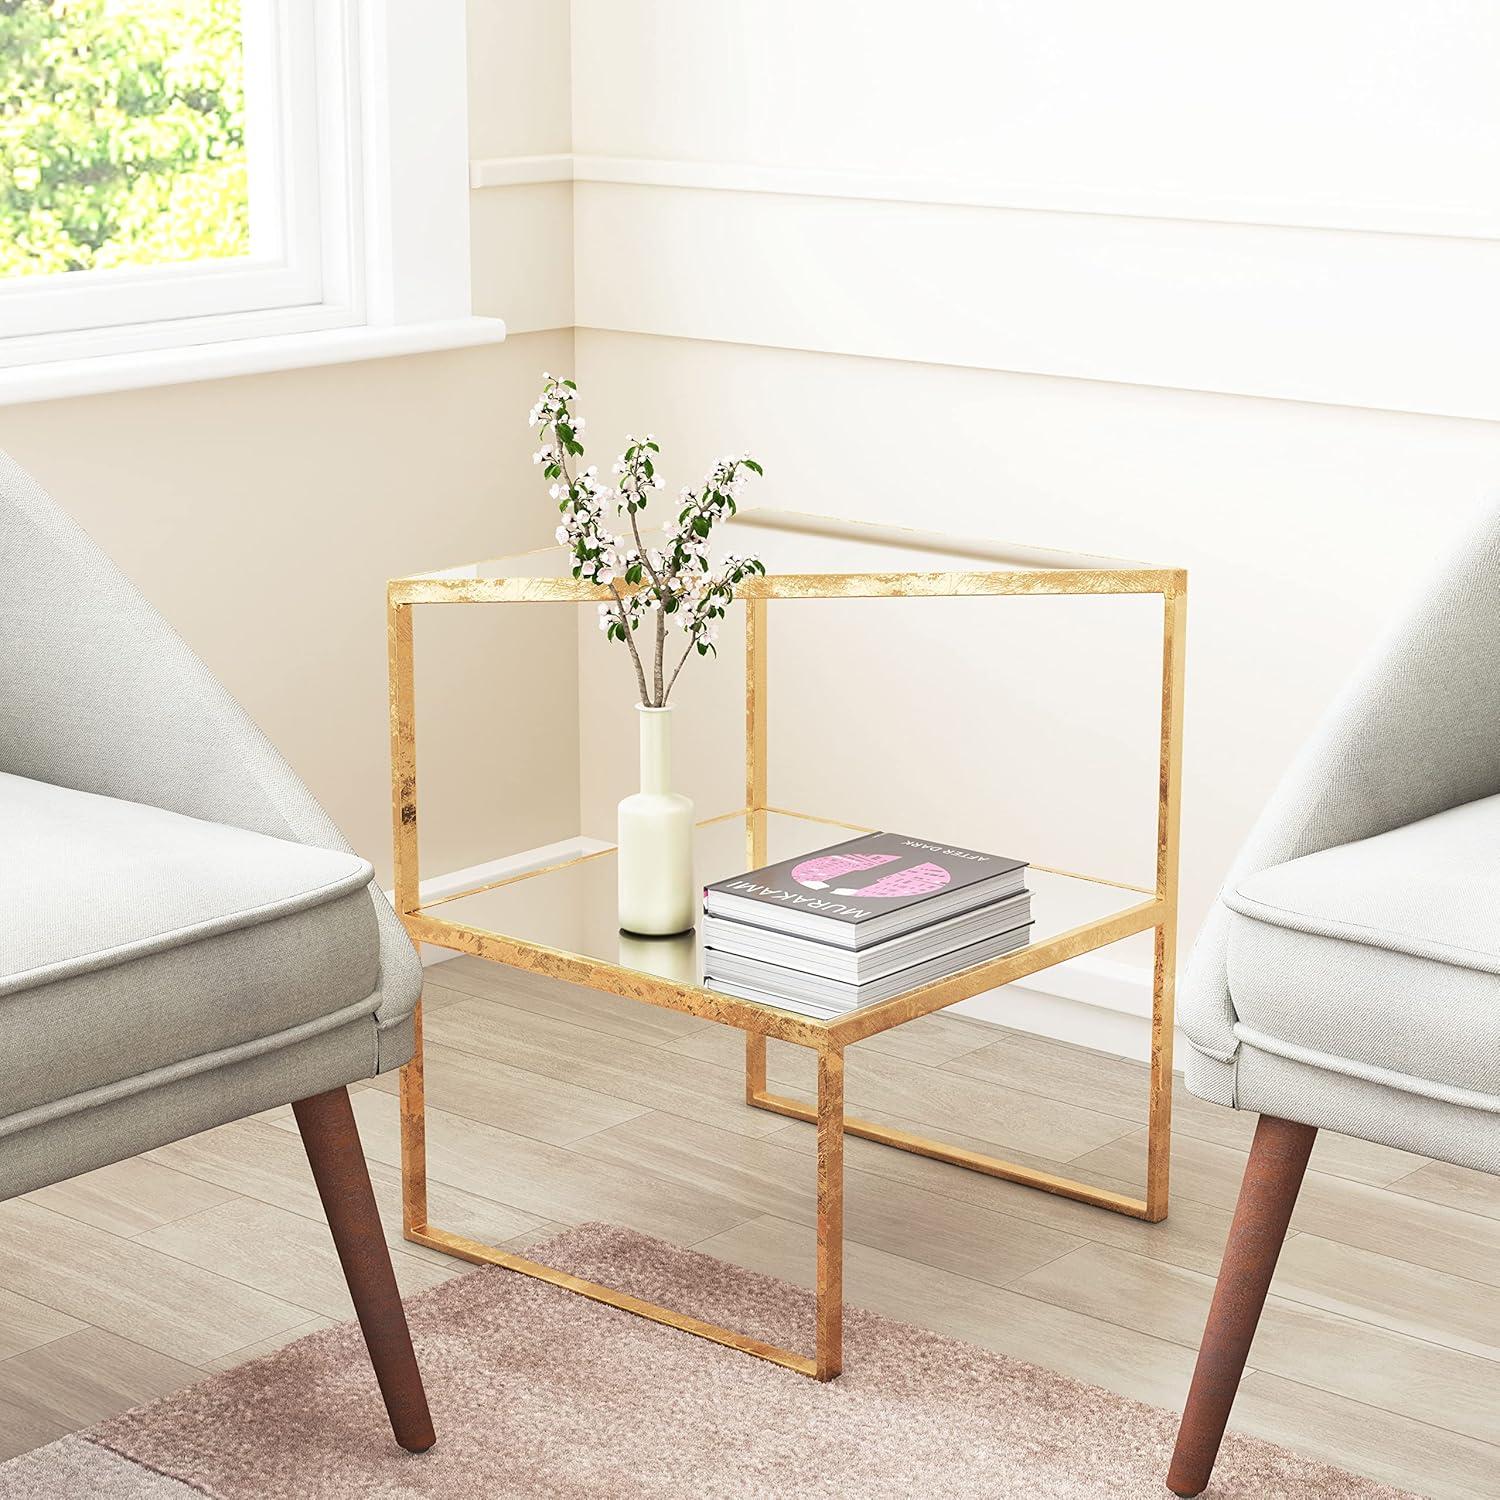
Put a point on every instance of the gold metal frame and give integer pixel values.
(1157, 912)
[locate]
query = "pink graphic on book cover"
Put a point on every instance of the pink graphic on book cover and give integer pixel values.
(915, 880)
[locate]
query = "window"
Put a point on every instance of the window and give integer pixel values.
(178, 173)
(124, 131)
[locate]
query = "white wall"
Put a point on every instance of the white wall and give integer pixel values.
(1296, 201)
(1205, 285)
(1303, 111)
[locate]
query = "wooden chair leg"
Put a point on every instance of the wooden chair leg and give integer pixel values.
(1273, 1176)
(338, 1166)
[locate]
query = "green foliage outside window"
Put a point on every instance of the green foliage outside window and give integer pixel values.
(122, 134)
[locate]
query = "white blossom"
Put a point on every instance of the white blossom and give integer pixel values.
(673, 582)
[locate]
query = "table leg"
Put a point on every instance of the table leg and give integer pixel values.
(830, 1276)
(755, 1066)
(1164, 971)
(1159, 1110)
(414, 1137)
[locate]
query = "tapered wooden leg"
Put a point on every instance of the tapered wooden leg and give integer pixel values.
(338, 1167)
(1273, 1175)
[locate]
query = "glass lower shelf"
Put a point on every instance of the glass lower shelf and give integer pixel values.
(571, 908)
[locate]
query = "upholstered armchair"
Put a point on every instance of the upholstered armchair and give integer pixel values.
(185, 938)
(1349, 976)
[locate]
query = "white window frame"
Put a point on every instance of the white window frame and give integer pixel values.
(363, 249)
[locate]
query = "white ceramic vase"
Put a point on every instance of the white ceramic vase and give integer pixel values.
(657, 894)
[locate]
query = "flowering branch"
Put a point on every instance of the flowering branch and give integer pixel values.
(638, 477)
(597, 551)
(675, 579)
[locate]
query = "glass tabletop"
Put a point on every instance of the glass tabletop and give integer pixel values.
(793, 543)
(571, 908)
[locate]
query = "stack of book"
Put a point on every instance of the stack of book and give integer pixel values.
(860, 922)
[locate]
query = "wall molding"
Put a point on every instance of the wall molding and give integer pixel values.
(1092, 1001)
(521, 171)
(1376, 321)
(986, 193)
(1095, 980)
(1360, 306)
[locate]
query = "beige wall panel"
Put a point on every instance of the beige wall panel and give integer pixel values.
(520, 67)
(264, 515)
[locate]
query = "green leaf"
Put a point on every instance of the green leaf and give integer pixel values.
(570, 385)
(754, 467)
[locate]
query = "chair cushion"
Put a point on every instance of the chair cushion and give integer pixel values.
(135, 939)
(1381, 956)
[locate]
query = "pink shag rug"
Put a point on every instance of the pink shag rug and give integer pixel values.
(537, 1392)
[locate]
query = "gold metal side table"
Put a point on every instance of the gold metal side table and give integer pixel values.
(560, 920)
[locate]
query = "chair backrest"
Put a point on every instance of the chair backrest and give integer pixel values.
(1417, 728)
(1414, 732)
(98, 693)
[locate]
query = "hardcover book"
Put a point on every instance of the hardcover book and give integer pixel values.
(813, 956)
(798, 990)
(867, 889)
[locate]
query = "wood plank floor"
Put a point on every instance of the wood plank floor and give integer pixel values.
(1379, 1351)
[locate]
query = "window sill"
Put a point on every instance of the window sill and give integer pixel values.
(56, 379)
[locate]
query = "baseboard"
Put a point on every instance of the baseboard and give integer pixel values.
(1090, 1001)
